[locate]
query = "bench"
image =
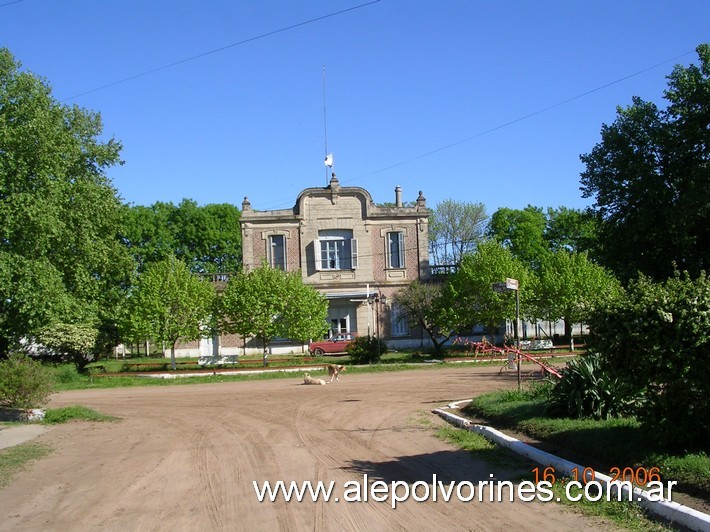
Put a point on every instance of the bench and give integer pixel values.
(128, 366)
(222, 360)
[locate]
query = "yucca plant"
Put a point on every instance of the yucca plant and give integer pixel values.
(586, 390)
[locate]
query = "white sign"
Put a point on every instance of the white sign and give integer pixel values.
(511, 284)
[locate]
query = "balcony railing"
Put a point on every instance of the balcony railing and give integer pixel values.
(442, 270)
(216, 277)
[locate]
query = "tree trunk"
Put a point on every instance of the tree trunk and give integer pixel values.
(568, 332)
(172, 356)
(492, 331)
(265, 356)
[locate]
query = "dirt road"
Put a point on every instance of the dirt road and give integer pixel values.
(185, 457)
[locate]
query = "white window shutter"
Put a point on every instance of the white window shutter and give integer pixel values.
(285, 254)
(353, 253)
(317, 252)
(400, 236)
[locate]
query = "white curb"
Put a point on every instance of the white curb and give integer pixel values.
(672, 511)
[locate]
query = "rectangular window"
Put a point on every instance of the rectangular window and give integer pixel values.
(339, 325)
(400, 327)
(395, 246)
(336, 250)
(277, 252)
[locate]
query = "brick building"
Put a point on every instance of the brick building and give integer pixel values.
(355, 252)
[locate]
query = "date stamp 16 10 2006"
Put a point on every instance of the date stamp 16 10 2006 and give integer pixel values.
(618, 485)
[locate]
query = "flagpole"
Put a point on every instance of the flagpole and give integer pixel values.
(325, 130)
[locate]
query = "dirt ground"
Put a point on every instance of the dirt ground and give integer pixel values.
(184, 458)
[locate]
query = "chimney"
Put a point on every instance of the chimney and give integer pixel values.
(398, 196)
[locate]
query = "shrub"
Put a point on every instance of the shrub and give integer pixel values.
(67, 374)
(24, 383)
(587, 391)
(71, 342)
(657, 339)
(366, 350)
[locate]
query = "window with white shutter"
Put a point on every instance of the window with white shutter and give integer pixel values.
(395, 248)
(335, 249)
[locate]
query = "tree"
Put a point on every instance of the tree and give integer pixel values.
(570, 286)
(69, 341)
(455, 227)
(207, 238)
(531, 233)
(649, 178)
(305, 317)
(60, 258)
(470, 289)
(424, 305)
(573, 230)
(170, 303)
(522, 232)
(148, 233)
(656, 339)
(267, 303)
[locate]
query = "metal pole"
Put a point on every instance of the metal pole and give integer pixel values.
(325, 129)
(377, 302)
(517, 336)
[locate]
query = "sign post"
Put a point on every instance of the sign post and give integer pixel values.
(511, 285)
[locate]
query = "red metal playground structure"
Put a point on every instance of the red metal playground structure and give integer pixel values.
(484, 347)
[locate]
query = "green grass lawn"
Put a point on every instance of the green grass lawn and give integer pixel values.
(619, 442)
(116, 373)
(624, 515)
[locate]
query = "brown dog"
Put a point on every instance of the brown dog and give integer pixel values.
(334, 370)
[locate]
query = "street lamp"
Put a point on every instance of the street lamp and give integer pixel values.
(511, 285)
(379, 297)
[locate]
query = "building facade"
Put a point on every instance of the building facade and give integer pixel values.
(356, 253)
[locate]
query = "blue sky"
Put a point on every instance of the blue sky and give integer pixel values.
(461, 99)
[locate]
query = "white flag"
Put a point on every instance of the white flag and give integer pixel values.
(329, 160)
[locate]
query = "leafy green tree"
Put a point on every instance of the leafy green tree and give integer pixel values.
(531, 234)
(522, 231)
(424, 305)
(656, 339)
(148, 233)
(305, 317)
(222, 239)
(73, 342)
(573, 230)
(455, 228)
(649, 179)
(473, 300)
(207, 238)
(169, 304)
(267, 303)
(60, 258)
(570, 286)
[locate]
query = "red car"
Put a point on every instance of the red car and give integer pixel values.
(336, 344)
